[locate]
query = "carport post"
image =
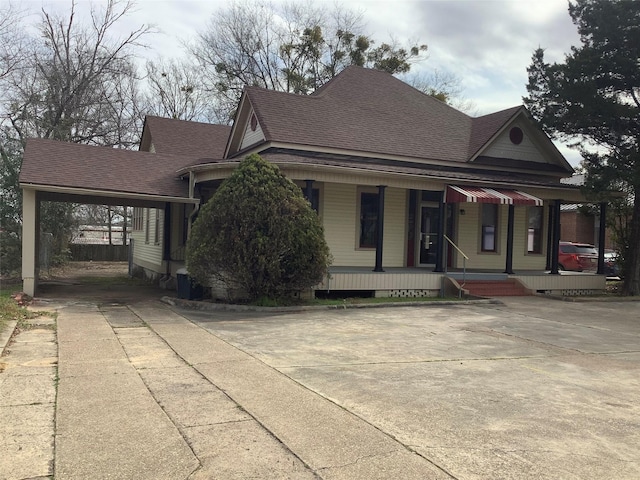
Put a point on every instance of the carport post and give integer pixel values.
(30, 228)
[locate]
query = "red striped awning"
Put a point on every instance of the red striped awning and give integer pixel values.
(466, 194)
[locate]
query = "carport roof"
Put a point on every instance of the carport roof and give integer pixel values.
(102, 170)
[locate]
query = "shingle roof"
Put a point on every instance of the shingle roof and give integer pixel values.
(369, 111)
(193, 139)
(63, 164)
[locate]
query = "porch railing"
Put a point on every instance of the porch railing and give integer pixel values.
(464, 264)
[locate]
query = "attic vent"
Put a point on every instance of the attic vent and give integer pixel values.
(516, 135)
(254, 122)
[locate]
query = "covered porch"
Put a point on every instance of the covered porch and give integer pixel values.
(424, 282)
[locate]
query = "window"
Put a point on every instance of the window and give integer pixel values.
(138, 218)
(489, 227)
(534, 234)
(146, 225)
(368, 220)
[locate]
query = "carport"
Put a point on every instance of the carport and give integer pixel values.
(72, 173)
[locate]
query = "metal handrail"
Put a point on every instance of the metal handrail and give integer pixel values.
(456, 247)
(464, 264)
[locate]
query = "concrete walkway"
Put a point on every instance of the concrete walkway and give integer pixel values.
(145, 392)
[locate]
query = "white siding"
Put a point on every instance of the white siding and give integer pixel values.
(468, 239)
(251, 137)
(522, 260)
(341, 224)
(502, 147)
(149, 254)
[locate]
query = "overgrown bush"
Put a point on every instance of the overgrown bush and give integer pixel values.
(258, 234)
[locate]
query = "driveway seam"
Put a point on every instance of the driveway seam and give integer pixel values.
(355, 415)
(223, 391)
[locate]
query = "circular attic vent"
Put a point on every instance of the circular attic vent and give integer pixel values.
(254, 122)
(516, 135)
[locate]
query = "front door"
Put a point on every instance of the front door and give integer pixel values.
(428, 241)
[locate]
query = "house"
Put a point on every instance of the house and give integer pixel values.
(412, 193)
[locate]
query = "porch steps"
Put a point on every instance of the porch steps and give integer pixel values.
(496, 288)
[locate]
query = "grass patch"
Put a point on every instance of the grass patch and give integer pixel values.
(10, 310)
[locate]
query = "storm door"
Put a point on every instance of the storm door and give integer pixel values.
(428, 241)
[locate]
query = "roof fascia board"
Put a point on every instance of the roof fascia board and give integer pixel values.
(356, 153)
(239, 119)
(386, 175)
(444, 179)
(144, 143)
(106, 193)
(265, 146)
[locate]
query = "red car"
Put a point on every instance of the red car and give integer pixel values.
(577, 257)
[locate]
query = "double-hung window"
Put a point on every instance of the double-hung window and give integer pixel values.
(368, 220)
(489, 235)
(534, 232)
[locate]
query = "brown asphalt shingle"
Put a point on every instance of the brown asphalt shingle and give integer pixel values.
(63, 164)
(369, 111)
(191, 139)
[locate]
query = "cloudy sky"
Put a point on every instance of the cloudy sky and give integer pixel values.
(487, 44)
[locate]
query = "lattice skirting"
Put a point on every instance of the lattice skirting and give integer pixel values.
(407, 293)
(573, 292)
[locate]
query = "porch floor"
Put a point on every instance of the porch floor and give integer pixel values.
(453, 272)
(423, 281)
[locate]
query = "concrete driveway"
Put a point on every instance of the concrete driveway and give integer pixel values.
(533, 388)
(122, 387)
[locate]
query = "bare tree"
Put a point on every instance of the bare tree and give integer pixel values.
(66, 87)
(176, 89)
(73, 82)
(13, 40)
(292, 48)
(444, 86)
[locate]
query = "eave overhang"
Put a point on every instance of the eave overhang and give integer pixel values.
(86, 195)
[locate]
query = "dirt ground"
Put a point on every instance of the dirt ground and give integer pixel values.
(101, 282)
(76, 271)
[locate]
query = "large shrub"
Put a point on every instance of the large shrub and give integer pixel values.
(258, 234)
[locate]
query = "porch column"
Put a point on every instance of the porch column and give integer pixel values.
(380, 229)
(509, 266)
(441, 242)
(30, 234)
(550, 226)
(308, 191)
(555, 247)
(601, 237)
(166, 237)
